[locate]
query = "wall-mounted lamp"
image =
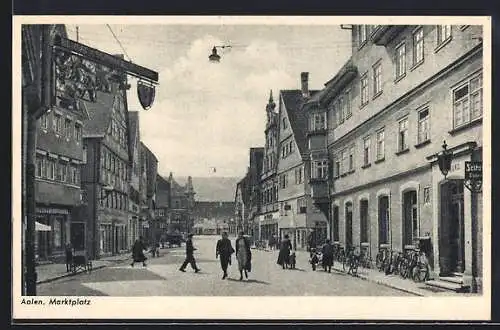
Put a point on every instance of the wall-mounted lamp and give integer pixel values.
(444, 160)
(214, 57)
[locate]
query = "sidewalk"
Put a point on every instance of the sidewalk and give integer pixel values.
(53, 271)
(392, 281)
(397, 282)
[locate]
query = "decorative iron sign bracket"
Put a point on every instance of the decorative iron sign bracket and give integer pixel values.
(80, 71)
(111, 61)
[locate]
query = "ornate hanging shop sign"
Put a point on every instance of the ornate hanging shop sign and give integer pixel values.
(109, 60)
(146, 94)
(81, 71)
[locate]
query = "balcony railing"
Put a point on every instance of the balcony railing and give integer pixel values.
(383, 34)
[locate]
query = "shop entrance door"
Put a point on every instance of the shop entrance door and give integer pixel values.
(451, 239)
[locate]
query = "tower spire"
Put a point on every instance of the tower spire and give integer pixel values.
(271, 105)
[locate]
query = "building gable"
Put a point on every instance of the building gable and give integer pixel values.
(289, 153)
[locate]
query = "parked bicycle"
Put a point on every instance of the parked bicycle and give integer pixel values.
(351, 262)
(339, 254)
(365, 261)
(419, 270)
(382, 259)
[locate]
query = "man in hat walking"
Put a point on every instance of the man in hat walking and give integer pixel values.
(189, 255)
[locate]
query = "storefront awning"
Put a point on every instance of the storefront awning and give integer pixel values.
(41, 227)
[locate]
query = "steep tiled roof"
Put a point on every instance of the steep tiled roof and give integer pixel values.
(99, 114)
(162, 191)
(294, 101)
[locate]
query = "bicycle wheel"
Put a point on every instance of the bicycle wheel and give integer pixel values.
(354, 267)
(379, 261)
(423, 273)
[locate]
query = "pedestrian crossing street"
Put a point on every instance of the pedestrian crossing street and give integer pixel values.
(208, 282)
(161, 277)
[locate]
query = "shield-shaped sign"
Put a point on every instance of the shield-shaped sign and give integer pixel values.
(146, 94)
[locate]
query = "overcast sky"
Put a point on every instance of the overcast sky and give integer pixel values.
(208, 115)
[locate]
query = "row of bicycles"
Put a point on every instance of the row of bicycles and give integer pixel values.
(413, 264)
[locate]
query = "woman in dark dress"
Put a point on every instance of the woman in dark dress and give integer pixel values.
(327, 252)
(138, 252)
(284, 255)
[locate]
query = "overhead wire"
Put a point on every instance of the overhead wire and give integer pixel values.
(119, 42)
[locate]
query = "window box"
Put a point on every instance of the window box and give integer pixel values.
(422, 144)
(473, 123)
(344, 174)
(402, 151)
(351, 171)
(379, 160)
(366, 166)
(365, 244)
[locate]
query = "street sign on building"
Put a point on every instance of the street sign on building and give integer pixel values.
(473, 176)
(473, 170)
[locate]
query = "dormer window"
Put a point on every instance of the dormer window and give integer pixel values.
(317, 121)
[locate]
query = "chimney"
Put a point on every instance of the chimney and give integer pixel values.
(304, 78)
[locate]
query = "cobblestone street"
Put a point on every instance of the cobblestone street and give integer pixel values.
(161, 277)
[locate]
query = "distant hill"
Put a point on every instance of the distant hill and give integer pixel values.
(212, 188)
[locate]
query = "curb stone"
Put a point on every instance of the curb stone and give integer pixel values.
(367, 278)
(69, 275)
(58, 277)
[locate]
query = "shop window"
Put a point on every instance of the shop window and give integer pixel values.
(58, 232)
(78, 236)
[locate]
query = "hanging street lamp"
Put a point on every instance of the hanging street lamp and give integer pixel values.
(214, 57)
(444, 160)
